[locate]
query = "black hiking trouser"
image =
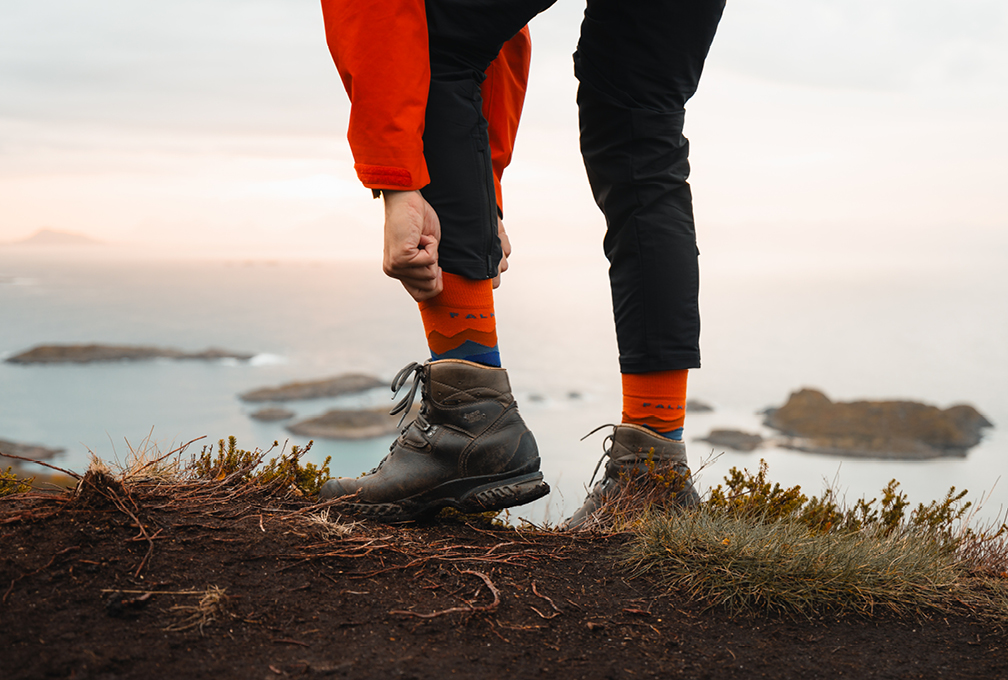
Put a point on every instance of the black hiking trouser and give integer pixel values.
(637, 63)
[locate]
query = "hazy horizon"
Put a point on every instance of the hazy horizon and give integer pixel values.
(867, 126)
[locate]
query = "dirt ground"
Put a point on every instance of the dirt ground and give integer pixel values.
(117, 583)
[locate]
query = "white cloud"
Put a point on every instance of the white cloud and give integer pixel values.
(872, 44)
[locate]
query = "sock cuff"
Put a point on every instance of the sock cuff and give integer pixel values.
(461, 292)
(655, 383)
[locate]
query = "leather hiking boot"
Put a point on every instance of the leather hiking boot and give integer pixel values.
(641, 458)
(468, 448)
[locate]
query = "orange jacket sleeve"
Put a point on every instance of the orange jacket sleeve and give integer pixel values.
(380, 50)
(381, 53)
(503, 94)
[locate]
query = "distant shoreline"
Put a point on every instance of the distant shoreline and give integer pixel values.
(54, 238)
(92, 353)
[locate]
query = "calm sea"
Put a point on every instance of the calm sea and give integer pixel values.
(933, 330)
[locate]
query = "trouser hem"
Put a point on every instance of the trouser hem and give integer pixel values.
(670, 362)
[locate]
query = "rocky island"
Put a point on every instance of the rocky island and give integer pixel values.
(55, 238)
(271, 414)
(905, 430)
(335, 424)
(349, 383)
(697, 406)
(86, 354)
(16, 457)
(33, 451)
(736, 440)
(350, 424)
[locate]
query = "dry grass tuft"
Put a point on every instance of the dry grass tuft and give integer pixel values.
(98, 486)
(330, 528)
(743, 564)
(210, 608)
(226, 466)
(146, 463)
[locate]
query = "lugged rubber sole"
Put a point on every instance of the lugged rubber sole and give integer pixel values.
(465, 495)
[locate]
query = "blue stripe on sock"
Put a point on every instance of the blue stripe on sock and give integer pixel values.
(675, 434)
(472, 351)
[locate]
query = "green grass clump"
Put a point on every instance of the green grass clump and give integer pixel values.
(10, 483)
(233, 464)
(745, 494)
(753, 545)
(287, 471)
(229, 463)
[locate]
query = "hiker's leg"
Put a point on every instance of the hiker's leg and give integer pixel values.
(638, 63)
(468, 447)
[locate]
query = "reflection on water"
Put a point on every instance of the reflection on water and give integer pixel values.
(923, 335)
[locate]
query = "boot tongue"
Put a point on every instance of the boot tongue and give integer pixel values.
(636, 442)
(461, 382)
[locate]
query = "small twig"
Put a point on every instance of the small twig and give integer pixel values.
(38, 462)
(286, 641)
(140, 526)
(468, 608)
(497, 533)
(151, 592)
(29, 495)
(141, 537)
(497, 632)
(556, 609)
(510, 626)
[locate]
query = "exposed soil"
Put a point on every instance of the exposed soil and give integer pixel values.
(108, 584)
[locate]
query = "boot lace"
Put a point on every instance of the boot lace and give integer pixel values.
(414, 370)
(403, 405)
(606, 446)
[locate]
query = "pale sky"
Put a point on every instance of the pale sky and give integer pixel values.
(218, 126)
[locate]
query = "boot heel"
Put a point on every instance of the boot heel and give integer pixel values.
(500, 495)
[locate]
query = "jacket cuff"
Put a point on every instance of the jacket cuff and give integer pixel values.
(388, 177)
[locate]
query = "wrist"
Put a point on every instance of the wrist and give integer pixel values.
(397, 195)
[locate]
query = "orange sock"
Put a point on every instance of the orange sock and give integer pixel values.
(656, 400)
(460, 322)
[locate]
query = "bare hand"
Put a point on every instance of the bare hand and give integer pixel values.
(412, 234)
(506, 248)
